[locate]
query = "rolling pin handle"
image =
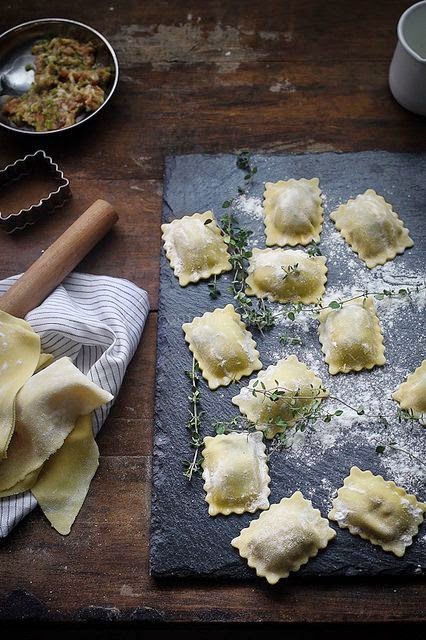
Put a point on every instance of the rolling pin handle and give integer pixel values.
(50, 269)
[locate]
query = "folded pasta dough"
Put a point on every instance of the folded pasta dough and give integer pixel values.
(19, 355)
(47, 408)
(44, 360)
(65, 479)
(23, 485)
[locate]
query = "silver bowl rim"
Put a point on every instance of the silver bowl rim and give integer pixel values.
(111, 91)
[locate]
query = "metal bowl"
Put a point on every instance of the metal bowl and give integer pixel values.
(15, 56)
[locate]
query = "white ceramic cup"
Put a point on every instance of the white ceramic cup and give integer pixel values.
(407, 73)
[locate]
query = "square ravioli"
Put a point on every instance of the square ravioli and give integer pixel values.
(351, 337)
(293, 212)
(195, 247)
(235, 473)
(222, 346)
(377, 510)
(411, 394)
(284, 538)
(286, 275)
(372, 228)
(280, 396)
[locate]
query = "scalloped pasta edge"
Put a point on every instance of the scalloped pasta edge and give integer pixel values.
(333, 369)
(396, 549)
(384, 256)
(253, 290)
(215, 381)
(263, 501)
(239, 402)
(272, 235)
(186, 278)
(240, 541)
(403, 387)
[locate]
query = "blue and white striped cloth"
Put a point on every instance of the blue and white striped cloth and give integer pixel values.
(97, 321)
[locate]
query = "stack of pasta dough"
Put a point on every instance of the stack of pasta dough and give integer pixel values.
(236, 477)
(46, 439)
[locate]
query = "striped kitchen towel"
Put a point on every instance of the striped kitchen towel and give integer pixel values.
(97, 321)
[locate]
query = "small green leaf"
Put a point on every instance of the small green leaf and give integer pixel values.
(380, 449)
(334, 304)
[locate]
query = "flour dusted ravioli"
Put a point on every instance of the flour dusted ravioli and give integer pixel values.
(377, 510)
(350, 336)
(195, 247)
(372, 228)
(411, 394)
(283, 538)
(293, 212)
(286, 275)
(299, 390)
(222, 346)
(235, 473)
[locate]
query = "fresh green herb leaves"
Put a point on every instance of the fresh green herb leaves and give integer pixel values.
(314, 250)
(194, 423)
(382, 448)
(284, 340)
(256, 314)
(214, 292)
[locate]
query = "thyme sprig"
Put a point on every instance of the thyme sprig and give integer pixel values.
(394, 446)
(294, 309)
(214, 292)
(245, 165)
(194, 423)
(254, 313)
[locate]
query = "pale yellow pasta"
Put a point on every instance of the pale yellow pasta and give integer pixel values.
(411, 394)
(64, 480)
(351, 337)
(195, 247)
(235, 473)
(19, 355)
(47, 408)
(293, 212)
(377, 510)
(284, 538)
(372, 228)
(286, 275)
(299, 390)
(222, 346)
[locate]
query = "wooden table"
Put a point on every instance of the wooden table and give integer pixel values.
(209, 76)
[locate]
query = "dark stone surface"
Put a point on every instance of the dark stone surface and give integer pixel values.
(185, 541)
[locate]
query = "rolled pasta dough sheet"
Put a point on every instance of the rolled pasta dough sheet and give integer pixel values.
(64, 481)
(19, 356)
(47, 408)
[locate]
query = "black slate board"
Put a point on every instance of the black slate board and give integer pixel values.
(185, 541)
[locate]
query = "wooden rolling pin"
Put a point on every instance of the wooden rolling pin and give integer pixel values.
(59, 260)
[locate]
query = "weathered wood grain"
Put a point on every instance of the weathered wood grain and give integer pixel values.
(196, 76)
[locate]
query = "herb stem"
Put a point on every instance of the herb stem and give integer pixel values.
(408, 453)
(194, 423)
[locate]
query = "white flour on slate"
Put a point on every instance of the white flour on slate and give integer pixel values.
(249, 206)
(373, 394)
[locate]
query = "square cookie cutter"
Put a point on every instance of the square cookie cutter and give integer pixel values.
(21, 168)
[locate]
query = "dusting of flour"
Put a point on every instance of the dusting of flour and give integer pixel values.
(370, 390)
